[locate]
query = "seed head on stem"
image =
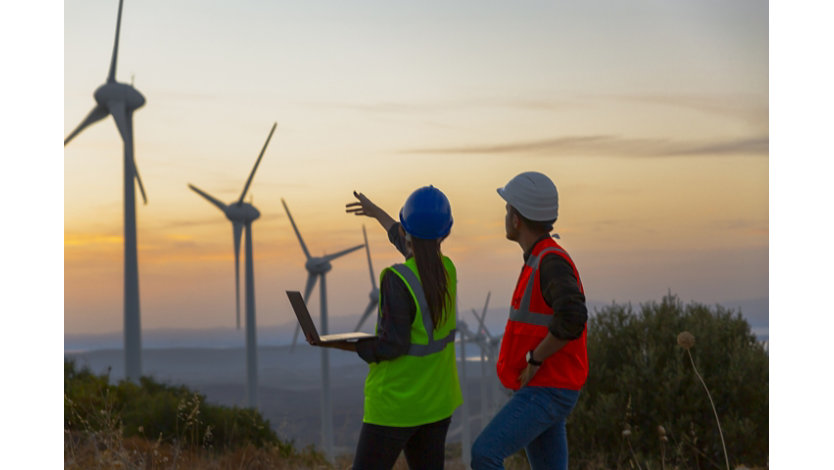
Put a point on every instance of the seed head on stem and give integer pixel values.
(686, 340)
(661, 432)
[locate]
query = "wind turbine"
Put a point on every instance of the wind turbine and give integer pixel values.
(489, 353)
(466, 426)
(120, 100)
(374, 295)
(242, 214)
(317, 268)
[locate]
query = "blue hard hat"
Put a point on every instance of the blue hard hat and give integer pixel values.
(427, 214)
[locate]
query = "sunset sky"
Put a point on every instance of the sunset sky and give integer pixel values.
(650, 116)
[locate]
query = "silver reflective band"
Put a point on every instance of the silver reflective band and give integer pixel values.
(523, 314)
(434, 345)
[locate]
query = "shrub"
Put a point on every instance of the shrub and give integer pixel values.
(640, 379)
(172, 414)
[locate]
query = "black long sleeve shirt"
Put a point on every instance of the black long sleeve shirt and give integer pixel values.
(561, 292)
(398, 312)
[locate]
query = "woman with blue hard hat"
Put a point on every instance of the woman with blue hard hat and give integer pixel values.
(412, 387)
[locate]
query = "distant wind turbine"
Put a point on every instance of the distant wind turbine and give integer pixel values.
(317, 268)
(374, 295)
(489, 353)
(120, 101)
(466, 426)
(242, 214)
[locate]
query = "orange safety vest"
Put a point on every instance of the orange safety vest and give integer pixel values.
(527, 326)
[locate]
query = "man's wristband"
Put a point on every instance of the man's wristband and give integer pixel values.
(531, 360)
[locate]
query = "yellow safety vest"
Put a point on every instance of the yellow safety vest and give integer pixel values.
(421, 386)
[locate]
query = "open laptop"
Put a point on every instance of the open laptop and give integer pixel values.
(309, 328)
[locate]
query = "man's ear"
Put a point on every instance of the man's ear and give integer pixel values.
(516, 220)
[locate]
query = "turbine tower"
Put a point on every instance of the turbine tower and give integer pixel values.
(466, 426)
(489, 355)
(120, 100)
(242, 214)
(317, 268)
(374, 295)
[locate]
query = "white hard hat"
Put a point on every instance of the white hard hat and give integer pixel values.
(533, 195)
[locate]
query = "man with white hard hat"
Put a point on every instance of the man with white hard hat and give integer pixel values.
(543, 357)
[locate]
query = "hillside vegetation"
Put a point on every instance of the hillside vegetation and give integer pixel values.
(641, 379)
(150, 425)
(643, 406)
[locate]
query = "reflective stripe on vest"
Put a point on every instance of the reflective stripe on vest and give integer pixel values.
(422, 385)
(433, 345)
(523, 314)
(528, 324)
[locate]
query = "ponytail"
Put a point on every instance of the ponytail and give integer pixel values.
(433, 276)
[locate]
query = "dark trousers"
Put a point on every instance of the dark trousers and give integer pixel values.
(424, 446)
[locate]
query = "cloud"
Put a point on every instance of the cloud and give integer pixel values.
(750, 108)
(745, 225)
(89, 239)
(392, 107)
(171, 95)
(611, 146)
(174, 224)
(755, 145)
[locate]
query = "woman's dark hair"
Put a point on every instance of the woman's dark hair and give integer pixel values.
(432, 276)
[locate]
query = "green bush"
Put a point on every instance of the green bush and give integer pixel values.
(640, 379)
(157, 411)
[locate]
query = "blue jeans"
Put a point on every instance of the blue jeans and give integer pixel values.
(533, 419)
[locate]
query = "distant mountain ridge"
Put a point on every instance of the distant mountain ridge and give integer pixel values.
(756, 311)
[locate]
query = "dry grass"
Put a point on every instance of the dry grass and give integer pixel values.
(109, 450)
(101, 444)
(102, 451)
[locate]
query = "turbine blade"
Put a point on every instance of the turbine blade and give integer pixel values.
(111, 76)
(371, 306)
(480, 320)
(210, 199)
(119, 112)
(368, 252)
(257, 162)
(139, 180)
(133, 158)
(124, 122)
(341, 253)
(238, 231)
(486, 304)
(97, 114)
(300, 240)
(311, 283)
(295, 337)
(483, 316)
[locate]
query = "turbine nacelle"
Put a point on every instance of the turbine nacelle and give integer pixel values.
(318, 265)
(119, 92)
(242, 212)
